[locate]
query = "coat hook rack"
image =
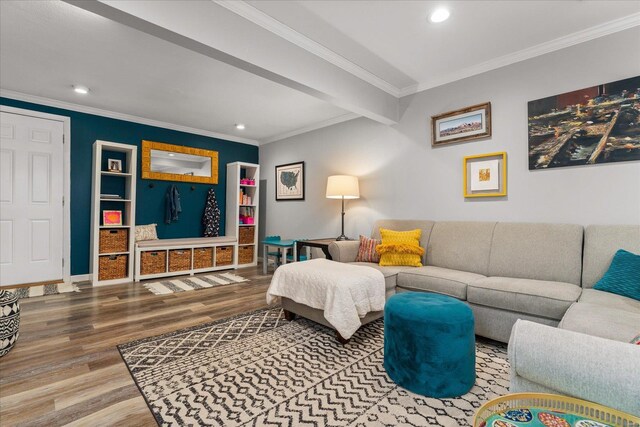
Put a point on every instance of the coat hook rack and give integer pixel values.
(151, 185)
(193, 187)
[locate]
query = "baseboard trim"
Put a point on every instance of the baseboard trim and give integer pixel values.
(81, 278)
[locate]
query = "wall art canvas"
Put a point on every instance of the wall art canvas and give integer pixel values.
(111, 217)
(290, 181)
(465, 124)
(485, 175)
(599, 124)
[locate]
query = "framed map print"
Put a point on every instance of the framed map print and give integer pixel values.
(290, 181)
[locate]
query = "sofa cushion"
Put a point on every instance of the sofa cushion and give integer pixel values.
(390, 273)
(536, 297)
(405, 225)
(400, 248)
(367, 250)
(537, 251)
(607, 299)
(438, 280)
(461, 246)
(623, 276)
(601, 321)
(600, 244)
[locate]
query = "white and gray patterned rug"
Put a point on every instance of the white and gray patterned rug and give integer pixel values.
(259, 369)
(193, 283)
(43, 290)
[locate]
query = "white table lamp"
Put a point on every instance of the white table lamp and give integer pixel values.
(342, 187)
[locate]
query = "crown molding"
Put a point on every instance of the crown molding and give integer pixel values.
(276, 27)
(578, 37)
(315, 126)
(20, 96)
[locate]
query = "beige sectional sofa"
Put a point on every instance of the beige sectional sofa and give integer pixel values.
(510, 271)
(523, 280)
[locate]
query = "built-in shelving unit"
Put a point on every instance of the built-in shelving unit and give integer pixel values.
(242, 211)
(113, 266)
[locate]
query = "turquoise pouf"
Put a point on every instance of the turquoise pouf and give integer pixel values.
(429, 344)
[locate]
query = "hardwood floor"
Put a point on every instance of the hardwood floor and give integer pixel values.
(65, 368)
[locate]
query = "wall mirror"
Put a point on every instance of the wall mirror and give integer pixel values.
(178, 163)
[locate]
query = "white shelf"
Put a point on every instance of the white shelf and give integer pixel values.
(107, 173)
(102, 149)
(235, 171)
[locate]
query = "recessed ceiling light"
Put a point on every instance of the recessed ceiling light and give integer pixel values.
(240, 126)
(83, 90)
(171, 154)
(439, 15)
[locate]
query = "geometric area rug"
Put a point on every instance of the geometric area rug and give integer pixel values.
(259, 369)
(193, 283)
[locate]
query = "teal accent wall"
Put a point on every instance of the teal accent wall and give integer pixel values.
(150, 202)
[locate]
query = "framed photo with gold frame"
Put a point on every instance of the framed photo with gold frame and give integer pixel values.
(485, 175)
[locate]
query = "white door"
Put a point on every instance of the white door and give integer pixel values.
(31, 205)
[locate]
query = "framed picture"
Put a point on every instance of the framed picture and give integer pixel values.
(111, 217)
(114, 165)
(485, 175)
(598, 124)
(461, 125)
(290, 181)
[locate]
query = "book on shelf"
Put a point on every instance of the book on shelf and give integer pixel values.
(110, 196)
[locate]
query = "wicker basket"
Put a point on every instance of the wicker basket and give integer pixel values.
(153, 262)
(224, 255)
(202, 258)
(245, 254)
(113, 240)
(112, 267)
(246, 235)
(179, 259)
(552, 402)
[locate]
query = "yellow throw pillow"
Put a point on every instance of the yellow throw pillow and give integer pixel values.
(400, 248)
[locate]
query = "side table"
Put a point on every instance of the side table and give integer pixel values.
(283, 249)
(314, 243)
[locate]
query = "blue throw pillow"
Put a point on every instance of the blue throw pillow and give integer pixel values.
(623, 276)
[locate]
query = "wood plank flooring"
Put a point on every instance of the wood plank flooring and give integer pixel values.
(65, 368)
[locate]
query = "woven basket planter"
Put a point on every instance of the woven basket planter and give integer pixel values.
(9, 321)
(153, 262)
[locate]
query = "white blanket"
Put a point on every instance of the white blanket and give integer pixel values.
(344, 292)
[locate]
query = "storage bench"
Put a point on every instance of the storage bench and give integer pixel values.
(171, 257)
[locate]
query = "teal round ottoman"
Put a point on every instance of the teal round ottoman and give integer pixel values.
(429, 344)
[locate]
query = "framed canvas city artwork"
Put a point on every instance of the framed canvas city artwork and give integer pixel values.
(598, 124)
(461, 125)
(290, 181)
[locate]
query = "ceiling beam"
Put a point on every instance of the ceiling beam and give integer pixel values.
(217, 32)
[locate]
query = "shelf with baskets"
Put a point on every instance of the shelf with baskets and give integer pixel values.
(113, 212)
(242, 211)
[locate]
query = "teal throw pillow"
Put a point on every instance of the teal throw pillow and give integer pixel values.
(623, 276)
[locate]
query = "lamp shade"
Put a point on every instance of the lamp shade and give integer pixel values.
(339, 186)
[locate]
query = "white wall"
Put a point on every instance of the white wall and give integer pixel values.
(402, 176)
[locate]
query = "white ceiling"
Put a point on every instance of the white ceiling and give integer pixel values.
(46, 47)
(281, 67)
